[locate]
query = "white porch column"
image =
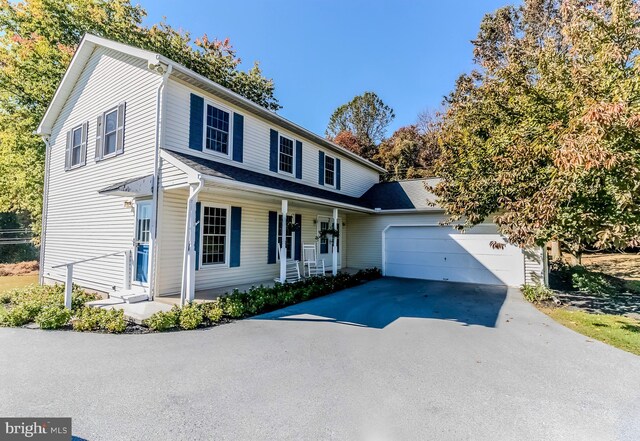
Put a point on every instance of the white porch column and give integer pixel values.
(283, 248)
(334, 269)
(188, 293)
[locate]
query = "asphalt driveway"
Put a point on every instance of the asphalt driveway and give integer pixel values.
(391, 360)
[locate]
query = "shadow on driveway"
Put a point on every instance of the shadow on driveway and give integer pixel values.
(379, 303)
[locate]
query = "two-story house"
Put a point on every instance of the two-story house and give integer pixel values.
(160, 181)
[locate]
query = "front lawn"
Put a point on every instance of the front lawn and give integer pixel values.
(616, 330)
(11, 282)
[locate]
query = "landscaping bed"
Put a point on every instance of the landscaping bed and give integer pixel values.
(599, 305)
(44, 306)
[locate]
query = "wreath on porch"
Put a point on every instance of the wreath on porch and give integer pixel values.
(326, 232)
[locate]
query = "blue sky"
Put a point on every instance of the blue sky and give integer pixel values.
(321, 53)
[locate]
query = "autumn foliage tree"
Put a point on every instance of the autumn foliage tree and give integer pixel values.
(361, 124)
(38, 39)
(409, 153)
(544, 136)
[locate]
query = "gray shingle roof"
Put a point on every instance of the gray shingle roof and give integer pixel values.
(401, 195)
(408, 195)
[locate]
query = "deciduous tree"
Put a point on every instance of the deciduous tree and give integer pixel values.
(366, 117)
(544, 136)
(38, 39)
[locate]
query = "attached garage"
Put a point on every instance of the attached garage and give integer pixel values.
(442, 253)
(405, 238)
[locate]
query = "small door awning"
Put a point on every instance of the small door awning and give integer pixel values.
(135, 187)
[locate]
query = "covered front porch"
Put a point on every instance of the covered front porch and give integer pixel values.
(214, 237)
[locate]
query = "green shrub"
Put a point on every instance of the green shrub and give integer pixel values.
(536, 293)
(5, 297)
(190, 316)
(164, 320)
(53, 317)
(112, 320)
(22, 313)
(87, 319)
(233, 307)
(212, 311)
(591, 282)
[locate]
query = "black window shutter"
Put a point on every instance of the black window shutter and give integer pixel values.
(236, 228)
(337, 174)
(299, 159)
(273, 237)
(273, 151)
(196, 246)
(196, 120)
(298, 246)
(238, 136)
(321, 168)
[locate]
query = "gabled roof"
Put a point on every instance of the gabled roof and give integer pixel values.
(90, 42)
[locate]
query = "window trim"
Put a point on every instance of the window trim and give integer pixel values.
(293, 155)
(324, 178)
(293, 235)
(79, 164)
(104, 132)
(207, 103)
(227, 247)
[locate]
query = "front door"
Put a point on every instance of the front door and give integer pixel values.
(325, 245)
(141, 242)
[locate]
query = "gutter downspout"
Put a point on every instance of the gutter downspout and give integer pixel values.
(45, 205)
(159, 141)
(189, 258)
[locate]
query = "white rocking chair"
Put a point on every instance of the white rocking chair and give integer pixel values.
(312, 265)
(293, 270)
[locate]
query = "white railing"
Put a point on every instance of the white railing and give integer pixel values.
(68, 281)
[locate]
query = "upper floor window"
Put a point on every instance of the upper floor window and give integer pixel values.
(76, 150)
(285, 156)
(217, 130)
(329, 170)
(110, 132)
(214, 235)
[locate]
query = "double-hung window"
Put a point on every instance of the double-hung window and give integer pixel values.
(110, 132)
(285, 155)
(288, 235)
(76, 147)
(217, 130)
(329, 170)
(214, 235)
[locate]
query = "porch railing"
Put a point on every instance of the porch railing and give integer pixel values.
(68, 283)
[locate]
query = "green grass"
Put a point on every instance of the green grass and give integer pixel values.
(10, 282)
(615, 330)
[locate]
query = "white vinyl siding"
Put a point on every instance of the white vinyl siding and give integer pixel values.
(80, 222)
(364, 246)
(356, 178)
(253, 246)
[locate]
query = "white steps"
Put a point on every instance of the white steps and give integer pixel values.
(130, 296)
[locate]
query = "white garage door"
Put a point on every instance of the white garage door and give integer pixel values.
(442, 253)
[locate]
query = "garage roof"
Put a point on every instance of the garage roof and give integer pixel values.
(402, 195)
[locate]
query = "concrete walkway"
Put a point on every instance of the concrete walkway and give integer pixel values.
(390, 360)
